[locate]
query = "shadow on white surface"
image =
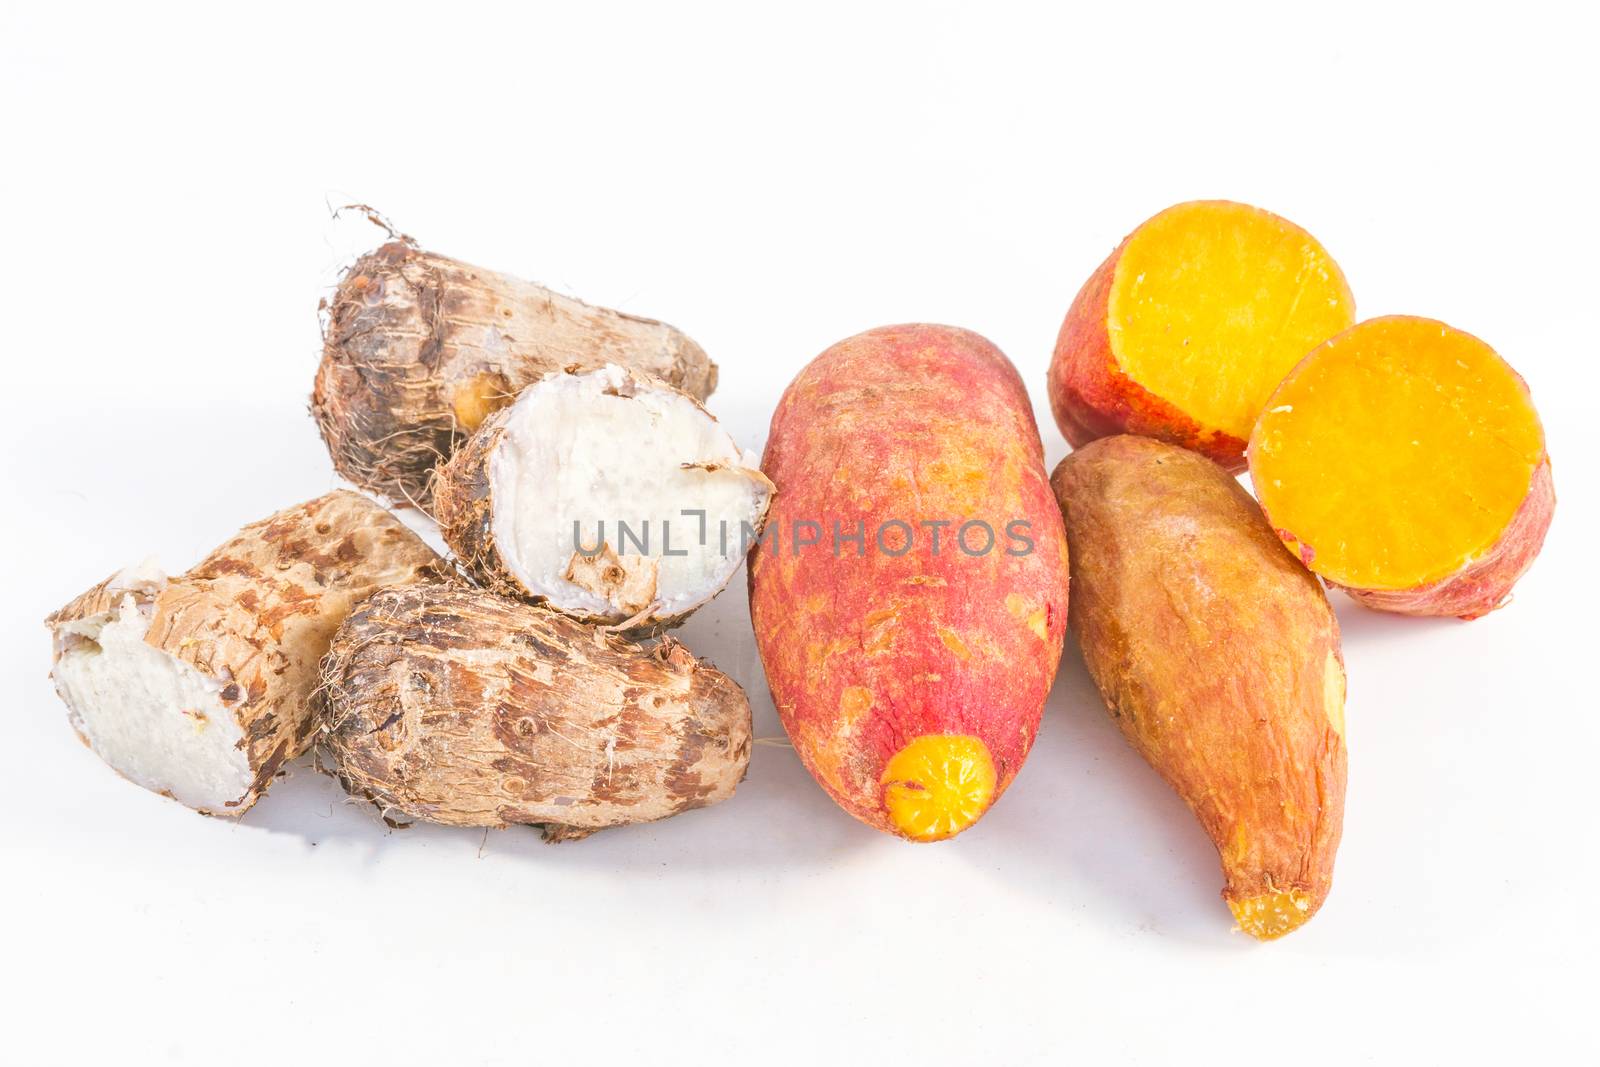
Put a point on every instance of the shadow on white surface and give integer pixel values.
(777, 818)
(1088, 838)
(1086, 828)
(1361, 628)
(1089, 826)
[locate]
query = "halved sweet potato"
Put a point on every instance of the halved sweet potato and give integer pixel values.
(1189, 325)
(1404, 461)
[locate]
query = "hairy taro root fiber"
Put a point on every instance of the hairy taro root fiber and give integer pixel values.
(1186, 328)
(457, 706)
(1218, 657)
(603, 494)
(1403, 461)
(197, 686)
(910, 679)
(418, 350)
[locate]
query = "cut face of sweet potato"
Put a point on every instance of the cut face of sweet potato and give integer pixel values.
(1186, 329)
(1404, 461)
(1214, 302)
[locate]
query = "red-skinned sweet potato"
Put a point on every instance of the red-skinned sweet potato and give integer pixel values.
(910, 672)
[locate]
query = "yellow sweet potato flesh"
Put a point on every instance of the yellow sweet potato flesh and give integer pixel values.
(1397, 455)
(1213, 302)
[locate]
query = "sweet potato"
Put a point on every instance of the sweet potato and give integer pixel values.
(1404, 462)
(910, 668)
(603, 494)
(418, 350)
(197, 687)
(1218, 657)
(1189, 324)
(461, 707)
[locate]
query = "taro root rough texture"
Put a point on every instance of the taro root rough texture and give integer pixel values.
(1218, 657)
(218, 664)
(1185, 329)
(461, 707)
(1404, 462)
(418, 350)
(910, 679)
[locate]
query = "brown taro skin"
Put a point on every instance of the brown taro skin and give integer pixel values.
(419, 349)
(457, 706)
(1218, 657)
(463, 506)
(866, 653)
(258, 614)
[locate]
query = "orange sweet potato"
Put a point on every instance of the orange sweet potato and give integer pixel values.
(1404, 462)
(1218, 657)
(909, 667)
(1187, 327)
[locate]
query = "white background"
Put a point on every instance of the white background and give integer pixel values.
(772, 182)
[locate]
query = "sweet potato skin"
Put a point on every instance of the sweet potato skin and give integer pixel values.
(1091, 397)
(456, 706)
(868, 651)
(1486, 584)
(260, 611)
(418, 349)
(1218, 657)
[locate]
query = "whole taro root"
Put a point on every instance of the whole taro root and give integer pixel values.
(461, 707)
(418, 350)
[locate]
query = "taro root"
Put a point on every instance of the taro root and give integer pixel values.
(1218, 657)
(197, 686)
(457, 706)
(418, 350)
(1404, 462)
(606, 495)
